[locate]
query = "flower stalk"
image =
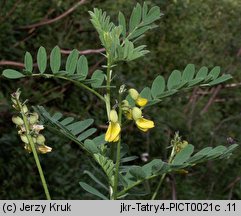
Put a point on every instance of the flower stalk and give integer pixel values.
(26, 127)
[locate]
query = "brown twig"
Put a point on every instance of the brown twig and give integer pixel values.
(12, 63)
(50, 21)
(211, 100)
(84, 52)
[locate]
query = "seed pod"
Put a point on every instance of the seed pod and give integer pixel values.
(17, 120)
(40, 139)
(133, 93)
(24, 138)
(136, 113)
(25, 109)
(113, 116)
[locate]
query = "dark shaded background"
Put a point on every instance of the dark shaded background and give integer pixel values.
(203, 32)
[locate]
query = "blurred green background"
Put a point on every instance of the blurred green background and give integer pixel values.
(202, 32)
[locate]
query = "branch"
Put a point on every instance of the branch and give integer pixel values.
(12, 63)
(50, 21)
(84, 52)
(211, 100)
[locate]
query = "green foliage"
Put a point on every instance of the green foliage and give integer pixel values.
(188, 34)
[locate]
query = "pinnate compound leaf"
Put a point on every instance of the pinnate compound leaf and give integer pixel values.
(135, 18)
(92, 190)
(174, 79)
(220, 80)
(158, 86)
(137, 172)
(98, 78)
(28, 62)
(42, 59)
(55, 59)
(122, 22)
(72, 61)
(12, 74)
(91, 146)
(183, 155)
(95, 179)
(82, 66)
(188, 72)
(202, 73)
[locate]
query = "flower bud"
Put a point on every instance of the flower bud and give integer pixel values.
(125, 105)
(33, 119)
(133, 93)
(24, 138)
(25, 109)
(40, 139)
(17, 120)
(113, 116)
(136, 113)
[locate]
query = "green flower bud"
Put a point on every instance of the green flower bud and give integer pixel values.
(40, 139)
(133, 93)
(136, 113)
(33, 119)
(34, 140)
(17, 120)
(35, 114)
(25, 109)
(125, 106)
(24, 138)
(113, 116)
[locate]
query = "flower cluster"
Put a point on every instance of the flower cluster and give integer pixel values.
(29, 127)
(131, 113)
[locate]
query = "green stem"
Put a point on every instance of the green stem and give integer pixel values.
(164, 175)
(35, 154)
(117, 166)
(158, 187)
(107, 100)
(74, 81)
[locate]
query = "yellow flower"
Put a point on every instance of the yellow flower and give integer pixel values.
(140, 101)
(144, 124)
(113, 132)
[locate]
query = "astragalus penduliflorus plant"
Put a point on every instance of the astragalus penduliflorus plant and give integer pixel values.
(107, 150)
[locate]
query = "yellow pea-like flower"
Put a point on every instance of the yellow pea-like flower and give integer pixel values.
(113, 132)
(144, 124)
(140, 101)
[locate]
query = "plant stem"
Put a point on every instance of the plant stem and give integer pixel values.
(164, 175)
(117, 165)
(35, 154)
(107, 99)
(74, 81)
(158, 186)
